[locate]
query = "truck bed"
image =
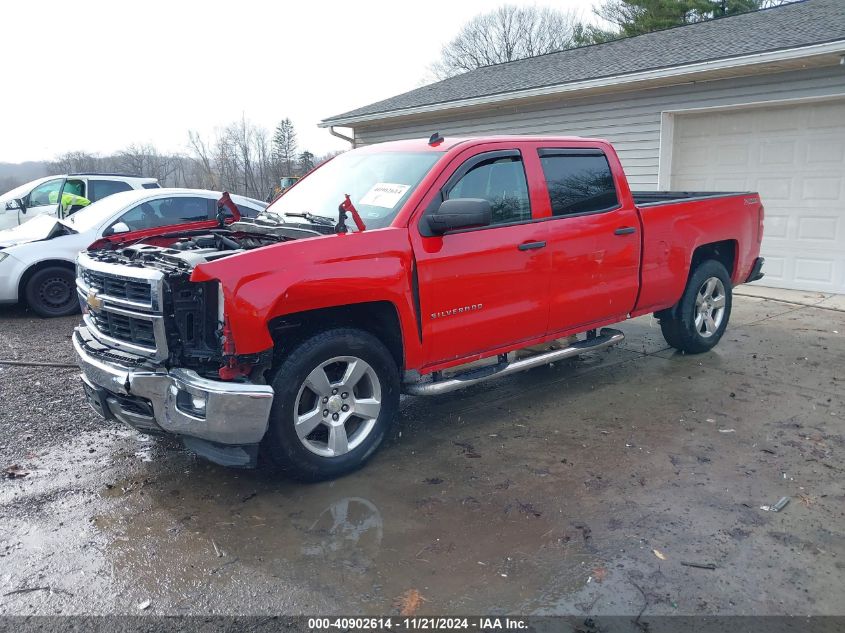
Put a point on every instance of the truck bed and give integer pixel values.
(675, 224)
(647, 198)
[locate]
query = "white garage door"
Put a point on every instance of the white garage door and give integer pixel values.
(795, 157)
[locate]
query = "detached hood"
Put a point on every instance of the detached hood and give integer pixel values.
(41, 227)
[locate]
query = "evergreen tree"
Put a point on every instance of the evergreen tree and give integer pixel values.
(306, 162)
(284, 147)
(635, 17)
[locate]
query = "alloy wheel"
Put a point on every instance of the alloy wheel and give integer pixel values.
(337, 406)
(710, 307)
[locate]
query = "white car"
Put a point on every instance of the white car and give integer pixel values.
(38, 258)
(42, 196)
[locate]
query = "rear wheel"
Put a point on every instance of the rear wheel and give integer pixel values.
(51, 292)
(699, 320)
(336, 395)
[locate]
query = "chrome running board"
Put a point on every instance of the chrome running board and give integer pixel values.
(606, 338)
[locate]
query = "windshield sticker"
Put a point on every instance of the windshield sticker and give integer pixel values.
(384, 194)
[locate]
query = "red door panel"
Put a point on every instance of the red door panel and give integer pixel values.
(594, 271)
(594, 236)
(479, 291)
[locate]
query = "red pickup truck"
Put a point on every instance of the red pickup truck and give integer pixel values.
(468, 259)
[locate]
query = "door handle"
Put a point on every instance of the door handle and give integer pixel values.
(625, 230)
(527, 246)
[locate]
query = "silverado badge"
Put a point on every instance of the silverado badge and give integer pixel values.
(453, 311)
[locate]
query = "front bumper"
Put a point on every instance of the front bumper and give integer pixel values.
(154, 399)
(11, 271)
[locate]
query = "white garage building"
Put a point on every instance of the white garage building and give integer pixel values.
(750, 102)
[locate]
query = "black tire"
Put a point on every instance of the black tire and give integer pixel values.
(51, 292)
(678, 325)
(282, 444)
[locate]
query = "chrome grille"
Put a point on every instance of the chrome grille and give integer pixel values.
(135, 290)
(122, 306)
(137, 331)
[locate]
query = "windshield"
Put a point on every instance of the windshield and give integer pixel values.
(377, 182)
(98, 212)
(21, 191)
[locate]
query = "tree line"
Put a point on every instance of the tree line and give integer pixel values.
(241, 157)
(509, 32)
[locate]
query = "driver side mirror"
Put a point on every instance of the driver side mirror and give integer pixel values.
(16, 204)
(117, 227)
(459, 213)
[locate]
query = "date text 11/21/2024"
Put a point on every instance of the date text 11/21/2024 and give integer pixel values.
(431, 623)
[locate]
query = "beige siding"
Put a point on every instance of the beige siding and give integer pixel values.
(630, 120)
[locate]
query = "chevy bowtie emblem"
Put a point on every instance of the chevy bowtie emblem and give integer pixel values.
(94, 302)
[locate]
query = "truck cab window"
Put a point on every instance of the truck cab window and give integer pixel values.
(500, 180)
(578, 183)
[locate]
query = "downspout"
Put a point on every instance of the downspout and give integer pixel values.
(351, 141)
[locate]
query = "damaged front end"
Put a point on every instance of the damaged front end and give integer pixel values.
(154, 347)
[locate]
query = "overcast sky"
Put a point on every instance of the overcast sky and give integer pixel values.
(99, 75)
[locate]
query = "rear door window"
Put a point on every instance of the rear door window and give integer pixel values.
(579, 181)
(245, 210)
(100, 189)
(168, 211)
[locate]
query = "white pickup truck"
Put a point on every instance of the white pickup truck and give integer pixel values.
(43, 195)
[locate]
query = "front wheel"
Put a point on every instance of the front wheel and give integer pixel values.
(51, 292)
(698, 321)
(336, 394)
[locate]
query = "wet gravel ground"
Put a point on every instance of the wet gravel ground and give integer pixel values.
(572, 489)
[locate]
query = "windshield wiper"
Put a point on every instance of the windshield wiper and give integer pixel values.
(313, 219)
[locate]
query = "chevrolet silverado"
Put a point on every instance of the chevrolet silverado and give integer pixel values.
(416, 267)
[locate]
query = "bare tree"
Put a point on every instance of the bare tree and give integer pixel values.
(204, 171)
(147, 160)
(328, 156)
(241, 157)
(72, 162)
(504, 35)
(240, 136)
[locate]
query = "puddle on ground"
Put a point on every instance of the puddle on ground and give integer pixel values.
(506, 497)
(461, 552)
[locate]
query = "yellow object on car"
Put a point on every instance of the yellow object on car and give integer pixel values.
(69, 200)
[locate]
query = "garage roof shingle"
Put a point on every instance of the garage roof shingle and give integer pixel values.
(788, 26)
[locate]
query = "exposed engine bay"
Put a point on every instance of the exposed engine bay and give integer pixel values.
(192, 311)
(181, 251)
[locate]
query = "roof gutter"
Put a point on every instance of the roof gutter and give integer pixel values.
(614, 80)
(343, 137)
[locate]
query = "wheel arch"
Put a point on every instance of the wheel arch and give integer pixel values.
(379, 318)
(34, 268)
(724, 252)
